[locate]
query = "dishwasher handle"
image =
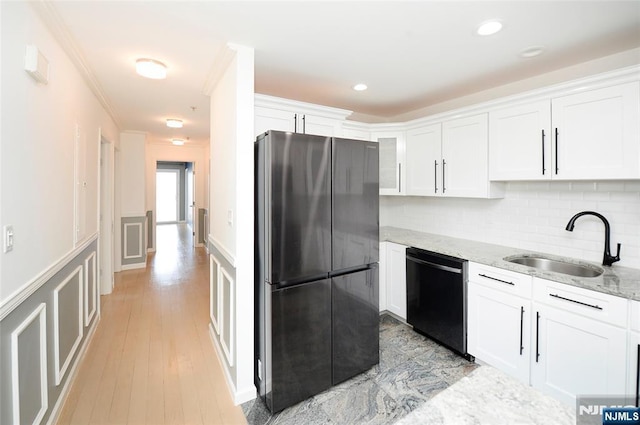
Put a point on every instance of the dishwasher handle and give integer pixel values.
(434, 265)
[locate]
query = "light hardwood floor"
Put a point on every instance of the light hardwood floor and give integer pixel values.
(151, 360)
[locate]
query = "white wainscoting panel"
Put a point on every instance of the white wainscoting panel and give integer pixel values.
(39, 313)
(90, 288)
(227, 285)
(214, 292)
(61, 365)
(139, 253)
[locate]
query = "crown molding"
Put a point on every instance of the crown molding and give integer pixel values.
(54, 22)
(222, 60)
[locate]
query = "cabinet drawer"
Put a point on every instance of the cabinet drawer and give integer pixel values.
(635, 316)
(502, 280)
(603, 307)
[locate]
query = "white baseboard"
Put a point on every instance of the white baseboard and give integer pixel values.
(238, 397)
(133, 266)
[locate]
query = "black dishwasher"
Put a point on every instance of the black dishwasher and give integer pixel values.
(437, 297)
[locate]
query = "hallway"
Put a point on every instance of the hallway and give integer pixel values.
(151, 360)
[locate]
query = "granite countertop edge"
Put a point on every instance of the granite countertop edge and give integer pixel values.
(619, 281)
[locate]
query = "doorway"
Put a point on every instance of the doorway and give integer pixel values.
(175, 195)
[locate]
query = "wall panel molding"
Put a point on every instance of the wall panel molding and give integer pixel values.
(214, 293)
(61, 360)
(127, 253)
(14, 300)
(227, 312)
(40, 314)
(219, 246)
(90, 288)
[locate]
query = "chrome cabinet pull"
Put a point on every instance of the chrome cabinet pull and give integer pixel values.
(499, 280)
(435, 176)
(597, 307)
(399, 178)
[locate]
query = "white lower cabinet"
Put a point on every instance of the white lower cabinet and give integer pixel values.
(563, 340)
(498, 331)
(396, 279)
(499, 311)
(579, 341)
(633, 377)
(633, 355)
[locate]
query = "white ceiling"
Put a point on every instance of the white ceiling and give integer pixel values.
(411, 54)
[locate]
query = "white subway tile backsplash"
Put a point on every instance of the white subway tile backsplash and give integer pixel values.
(533, 215)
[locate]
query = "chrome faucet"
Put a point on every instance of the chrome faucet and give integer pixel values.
(607, 259)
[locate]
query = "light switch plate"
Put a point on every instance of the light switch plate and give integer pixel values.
(8, 238)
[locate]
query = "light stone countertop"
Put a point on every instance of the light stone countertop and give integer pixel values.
(490, 397)
(620, 281)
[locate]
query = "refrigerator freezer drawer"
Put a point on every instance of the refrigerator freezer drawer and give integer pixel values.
(298, 346)
(355, 323)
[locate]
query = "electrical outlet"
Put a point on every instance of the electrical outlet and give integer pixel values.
(8, 238)
(230, 217)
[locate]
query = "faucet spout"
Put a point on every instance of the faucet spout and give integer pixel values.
(607, 258)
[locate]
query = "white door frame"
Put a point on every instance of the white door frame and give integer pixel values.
(106, 217)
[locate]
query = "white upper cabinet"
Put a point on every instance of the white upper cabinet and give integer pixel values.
(272, 113)
(424, 160)
(597, 133)
(392, 170)
(590, 135)
(520, 142)
(465, 159)
(449, 159)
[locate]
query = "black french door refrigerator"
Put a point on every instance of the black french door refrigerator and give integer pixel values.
(316, 255)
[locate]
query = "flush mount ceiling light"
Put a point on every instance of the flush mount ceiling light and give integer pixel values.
(489, 27)
(360, 87)
(174, 123)
(531, 52)
(177, 142)
(151, 68)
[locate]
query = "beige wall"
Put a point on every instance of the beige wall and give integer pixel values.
(37, 142)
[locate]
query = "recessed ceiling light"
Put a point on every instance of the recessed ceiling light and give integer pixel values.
(174, 123)
(151, 68)
(360, 87)
(177, 142)
(489, 27)
(531, 52)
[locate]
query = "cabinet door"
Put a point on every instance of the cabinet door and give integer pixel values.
(396, 281)
(273, 119)
(321, 126)
(520, 142)
(597, 133)
(498, 328)
(465, 157)
(573, 355)
(391, 163)
(424, 160)
(633, 374)
(382, 276)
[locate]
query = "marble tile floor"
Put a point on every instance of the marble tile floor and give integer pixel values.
(412, 370)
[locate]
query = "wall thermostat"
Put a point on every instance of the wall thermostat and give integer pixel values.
(36, 65)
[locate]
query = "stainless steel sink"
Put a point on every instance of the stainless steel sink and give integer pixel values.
(581, 270)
